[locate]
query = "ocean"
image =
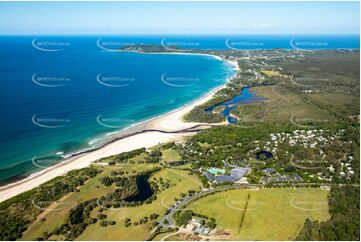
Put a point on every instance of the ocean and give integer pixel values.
(65, 94)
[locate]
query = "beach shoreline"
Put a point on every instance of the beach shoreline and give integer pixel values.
(162, 129)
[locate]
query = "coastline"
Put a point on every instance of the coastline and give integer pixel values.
(159, 128)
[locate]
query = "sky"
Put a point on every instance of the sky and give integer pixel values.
(179, 18)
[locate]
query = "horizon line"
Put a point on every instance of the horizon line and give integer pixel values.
(173, 34)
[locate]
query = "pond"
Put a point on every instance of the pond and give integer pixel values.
(263, 155)
(145, 191)
(245, 97)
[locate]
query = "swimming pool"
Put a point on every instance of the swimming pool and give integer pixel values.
(216, 171)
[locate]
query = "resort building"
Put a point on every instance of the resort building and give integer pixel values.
(235, 174)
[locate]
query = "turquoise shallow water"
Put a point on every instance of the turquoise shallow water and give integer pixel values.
(54, 103)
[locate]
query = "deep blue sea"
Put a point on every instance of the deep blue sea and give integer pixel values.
(62, 94)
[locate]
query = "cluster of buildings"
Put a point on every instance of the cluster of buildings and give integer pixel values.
(346, 168)
(306, 138)
(198, 228)
(272, 176)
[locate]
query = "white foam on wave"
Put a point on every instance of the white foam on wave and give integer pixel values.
(93, 141)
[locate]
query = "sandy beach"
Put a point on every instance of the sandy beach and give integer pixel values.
(172, 121)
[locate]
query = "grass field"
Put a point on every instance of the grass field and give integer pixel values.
(139, 158)
(56, 214)
(272, 73)
(170, 155)
(271, 214)
(179, 181)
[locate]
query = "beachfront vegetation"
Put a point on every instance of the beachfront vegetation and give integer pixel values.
(198, 114)
(19, 212)
(122, 157)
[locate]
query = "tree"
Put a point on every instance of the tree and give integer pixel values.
(183, 217)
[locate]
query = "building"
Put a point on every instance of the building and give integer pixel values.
(235, 174)
(269, 170)
(209, 176)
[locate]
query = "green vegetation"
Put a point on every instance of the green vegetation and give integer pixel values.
(169, 155)
(198, 114)
(78, 219)
(344, 224)
(316, 155)
(19, 212)
(131, 223)
(122, 157)
(182, 217)
(58, 214)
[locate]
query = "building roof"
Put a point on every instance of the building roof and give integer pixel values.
(236, 174)
(224, 178)
(269, 170)
(209, 176)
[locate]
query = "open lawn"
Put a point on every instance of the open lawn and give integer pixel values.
(264, 214)
(170, 155)
(179, 181)
(272, 73)
(56, 214)
(139, 158)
